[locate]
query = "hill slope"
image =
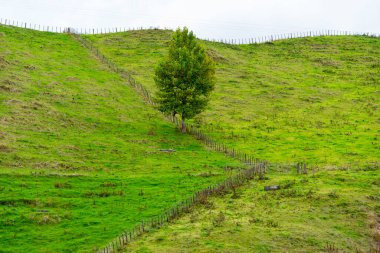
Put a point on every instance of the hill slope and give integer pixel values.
(310, 99)
(80, 155)
(311, 212)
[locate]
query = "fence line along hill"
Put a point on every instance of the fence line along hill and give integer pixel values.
(233, 41)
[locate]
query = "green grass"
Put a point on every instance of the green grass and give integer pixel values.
(309, 99)
(80, 157)
(323, 207)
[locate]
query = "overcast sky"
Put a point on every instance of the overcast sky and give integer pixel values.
(207, 18)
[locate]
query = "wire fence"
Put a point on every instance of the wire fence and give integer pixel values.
(191, 129)
(257, 167)
(184, 206)
(145, 94)
(232, 41)
(148, 99)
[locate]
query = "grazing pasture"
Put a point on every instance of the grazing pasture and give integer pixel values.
(320, 211)
(307, 99)
(82, 158)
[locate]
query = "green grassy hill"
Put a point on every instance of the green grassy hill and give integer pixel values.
(309, 213)
(80, 157)
(308, 99)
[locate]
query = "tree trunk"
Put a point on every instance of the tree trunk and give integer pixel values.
(183, 128)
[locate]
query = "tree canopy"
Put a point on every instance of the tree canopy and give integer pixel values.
(185, 77)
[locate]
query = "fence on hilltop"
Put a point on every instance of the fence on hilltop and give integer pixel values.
(232, 41)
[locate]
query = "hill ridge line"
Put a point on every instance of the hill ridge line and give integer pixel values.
(230, 41)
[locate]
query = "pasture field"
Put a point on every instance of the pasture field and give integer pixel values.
(81, 155)
(308, 99)
(320, 211)
(83, 158)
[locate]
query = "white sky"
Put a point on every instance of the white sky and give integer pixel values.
(217, 19)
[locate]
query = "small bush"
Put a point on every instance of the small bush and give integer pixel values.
(4, 148)
(209, 205)
(374, 197)
(310, 193)
(29, 67)
(60, 185)
(287, 184)
(203, 200)
(104, 194)
(160, 238)
(152, 132)
(219, 219)
(8, 222)
(272, 224)
(330, 248)
(254, 220)
(193, 218)
(207, 174)
(108, 184)
(333, 195)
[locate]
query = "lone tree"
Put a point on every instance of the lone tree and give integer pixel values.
(185, 78)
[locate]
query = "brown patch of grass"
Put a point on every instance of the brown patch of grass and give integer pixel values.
(326, 62)
(15, 202)
(72, 79)
(60, 185)
(152, 132)
(29, 67)
(108, 184)
(219, 219)
(3, 62)
(375, 226)
(330, 248)
(44, 218)
(216, 56)
(207, 174)
(104, 194)
(5, 149)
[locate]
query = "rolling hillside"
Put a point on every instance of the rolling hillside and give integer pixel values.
(322, 211)
(82, 158)
(80, 154)
(309, 99)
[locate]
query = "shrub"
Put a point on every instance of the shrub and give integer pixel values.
(219, 219)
